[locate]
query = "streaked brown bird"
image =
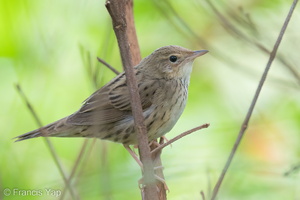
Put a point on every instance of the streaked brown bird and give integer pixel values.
(163, 78)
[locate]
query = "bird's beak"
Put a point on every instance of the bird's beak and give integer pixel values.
(199, 53)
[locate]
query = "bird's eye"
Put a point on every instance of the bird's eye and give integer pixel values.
(173, 58)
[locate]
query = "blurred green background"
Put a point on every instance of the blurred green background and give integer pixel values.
(50, 49)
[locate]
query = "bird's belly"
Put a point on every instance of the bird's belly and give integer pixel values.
(167, 120)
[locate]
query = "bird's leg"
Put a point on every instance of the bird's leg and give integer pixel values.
(153, 142)
(134, 155)
(164, 138)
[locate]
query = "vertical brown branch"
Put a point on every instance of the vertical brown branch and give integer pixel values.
(123, 24)
(121, 12)
(253, 103)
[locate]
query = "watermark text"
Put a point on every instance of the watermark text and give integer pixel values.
(31, 192)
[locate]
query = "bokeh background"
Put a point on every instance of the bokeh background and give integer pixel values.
(49, 48)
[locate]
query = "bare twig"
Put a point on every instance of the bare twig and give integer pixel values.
(234, 31)
(228, 26)
(209, 185)
(85, 159)
(186, 28)
(86, 58)
(123, 24)
(202, 195)
(94, 75)
(178, 137)
(170, 19)
(258, 90)
(108, 66)
(89, 65)
(156, 152)
(75, 167)
(48, 142)
(293, 169)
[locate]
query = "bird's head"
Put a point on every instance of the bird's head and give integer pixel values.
(170, 62)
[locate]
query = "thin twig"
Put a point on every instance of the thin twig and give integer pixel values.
(178, 137)
(75, 167)
(170, 18)
(293, 169)
(108, 66)
(233, 30)
(228, 26)
(94, 77)
(258, 90)
(202, 195)
(174, 18)
(184, 24)
(48, 142)
(85, 160)
(209, 184)
(186, 33)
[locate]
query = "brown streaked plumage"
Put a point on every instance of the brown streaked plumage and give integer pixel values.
(163, 80)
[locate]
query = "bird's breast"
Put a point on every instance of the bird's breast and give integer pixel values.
(167, 109)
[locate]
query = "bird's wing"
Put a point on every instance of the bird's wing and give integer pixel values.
(111, 103)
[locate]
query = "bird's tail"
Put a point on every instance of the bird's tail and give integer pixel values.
(54, 129)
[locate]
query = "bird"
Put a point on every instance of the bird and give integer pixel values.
(163, 79)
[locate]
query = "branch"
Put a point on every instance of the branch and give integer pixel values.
(48, 143)
(108, 66)
(123, 24)
(250, 111)
(235, 32)
(292, 170)
(160, 147)
(75, 167)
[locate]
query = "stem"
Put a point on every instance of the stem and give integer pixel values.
(253, 103)
(121, 12)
